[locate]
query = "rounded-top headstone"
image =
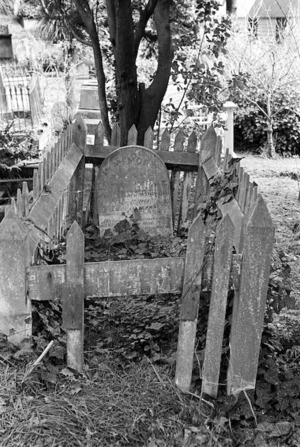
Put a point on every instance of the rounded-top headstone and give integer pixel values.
(133, 184)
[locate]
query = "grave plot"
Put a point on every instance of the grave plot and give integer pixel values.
(217, 260)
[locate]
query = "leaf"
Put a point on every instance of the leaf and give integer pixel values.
(67, 372)
(156, 326)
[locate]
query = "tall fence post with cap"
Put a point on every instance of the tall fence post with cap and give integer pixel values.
(229, 108)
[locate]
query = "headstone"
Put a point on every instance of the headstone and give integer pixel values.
(89, 100)
(133, 184)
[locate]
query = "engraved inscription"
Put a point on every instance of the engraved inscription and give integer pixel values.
(133, 184)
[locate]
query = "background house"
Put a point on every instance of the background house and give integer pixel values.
(272, 18)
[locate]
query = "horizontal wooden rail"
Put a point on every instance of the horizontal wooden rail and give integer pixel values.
(111, 278)
(117, 278)
(184, 161)
(17, 180)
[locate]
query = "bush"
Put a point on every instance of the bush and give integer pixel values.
(250, 124)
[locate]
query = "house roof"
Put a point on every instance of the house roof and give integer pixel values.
(274, 8)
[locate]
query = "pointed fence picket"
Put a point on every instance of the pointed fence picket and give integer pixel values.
(247, 229)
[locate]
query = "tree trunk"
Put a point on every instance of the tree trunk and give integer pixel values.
(152, 97)
(88, 19)
(126, 72)
(270, 139)
(231, 7)
(101, 88)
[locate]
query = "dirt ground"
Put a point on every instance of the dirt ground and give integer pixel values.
(279, 183)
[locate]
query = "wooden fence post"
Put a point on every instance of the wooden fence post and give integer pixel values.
(15, 256)
(190, 304)
(187, 184)
(73, 300)
(175, 176)
(248, 314)
(148, 138)
(208, 148)
(229, 107)
(79, 132)
(218, 302)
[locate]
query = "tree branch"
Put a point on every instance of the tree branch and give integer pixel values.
(145, 15)
(111, 16)
(165, 52)
(253, 102)
(76, 35)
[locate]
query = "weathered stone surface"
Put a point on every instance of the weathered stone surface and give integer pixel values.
(133, 184)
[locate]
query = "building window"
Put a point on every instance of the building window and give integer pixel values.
(280, 27)
(253, 27)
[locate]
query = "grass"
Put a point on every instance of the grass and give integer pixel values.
(109, 405)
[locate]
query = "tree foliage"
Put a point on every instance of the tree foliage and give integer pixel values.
(263, 76)
(121, 33)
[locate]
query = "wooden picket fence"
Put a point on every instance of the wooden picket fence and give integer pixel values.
(38, 217)
(51, 203)
(240, 257)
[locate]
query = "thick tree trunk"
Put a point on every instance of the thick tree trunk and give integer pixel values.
(126, 72)
(152, 97)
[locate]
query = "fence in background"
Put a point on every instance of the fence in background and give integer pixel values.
(20, 99)
(239, 258)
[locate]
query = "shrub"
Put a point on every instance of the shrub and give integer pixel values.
(250, 123)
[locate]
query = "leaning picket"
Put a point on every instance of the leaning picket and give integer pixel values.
(248, 313)
(187, 184)
(190, 303)
(218, 302)
(207, 150)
